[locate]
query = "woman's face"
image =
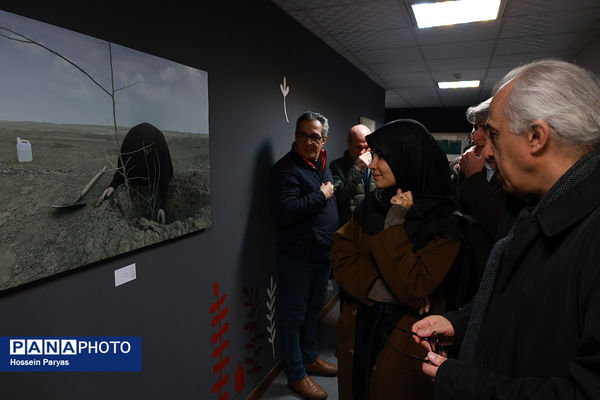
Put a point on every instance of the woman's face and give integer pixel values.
(384, 178)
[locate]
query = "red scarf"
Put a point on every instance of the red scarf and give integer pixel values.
(323, 157)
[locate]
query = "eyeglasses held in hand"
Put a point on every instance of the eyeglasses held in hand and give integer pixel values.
(313, 138)
(433, 340)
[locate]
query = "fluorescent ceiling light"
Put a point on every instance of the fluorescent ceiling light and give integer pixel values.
(455, 12)
(458, 84)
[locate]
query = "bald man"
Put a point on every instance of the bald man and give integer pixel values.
(351, 175)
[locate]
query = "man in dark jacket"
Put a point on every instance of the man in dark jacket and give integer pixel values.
(479, 195)
(533, 329)
(352, 178)
(306, 216)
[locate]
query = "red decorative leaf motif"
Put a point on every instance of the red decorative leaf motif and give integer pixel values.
(219, 385)
(219, 350)
(239, 379)
(217, 336)
(221, 342)
(219, 317)
(221, 365)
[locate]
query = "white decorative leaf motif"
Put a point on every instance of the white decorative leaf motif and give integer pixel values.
(271, 291)
(284, 90)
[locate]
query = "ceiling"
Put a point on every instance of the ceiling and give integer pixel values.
(381, 39)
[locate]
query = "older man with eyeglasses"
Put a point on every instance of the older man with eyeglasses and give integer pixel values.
(306, 216)
(533, 328)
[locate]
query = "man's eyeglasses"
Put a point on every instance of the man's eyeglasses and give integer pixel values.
(313, 138)
(433, 340)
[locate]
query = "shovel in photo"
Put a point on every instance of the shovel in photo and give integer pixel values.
(77, 203)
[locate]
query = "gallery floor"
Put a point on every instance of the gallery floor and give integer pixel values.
(327, 337)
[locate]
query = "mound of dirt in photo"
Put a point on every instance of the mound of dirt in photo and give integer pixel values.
(125, 221)
(93, 233)
(38, 240)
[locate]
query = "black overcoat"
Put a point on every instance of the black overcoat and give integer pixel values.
(541, 335)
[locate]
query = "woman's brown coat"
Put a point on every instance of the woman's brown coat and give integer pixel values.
(358, 259)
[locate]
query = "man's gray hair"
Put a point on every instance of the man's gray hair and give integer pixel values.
(479, 113)
(564, 95)
(311, 116)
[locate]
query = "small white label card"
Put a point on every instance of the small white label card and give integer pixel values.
(125, 274)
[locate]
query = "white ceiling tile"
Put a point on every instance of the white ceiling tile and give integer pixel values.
(378, 56)
(374, 15)
(552, 45)
(513, 60)
(581, 44)
(459, 50)
(458, 63)
(544, 24)
(396, 77)
(369, 73)
(465, 75)
(380, 39)
(519, 7)
(495, 74)
(427, 84)
(418, 66)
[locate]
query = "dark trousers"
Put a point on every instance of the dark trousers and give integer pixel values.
(303, 287)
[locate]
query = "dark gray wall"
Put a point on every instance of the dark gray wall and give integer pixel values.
(436, 119)
(246, 47)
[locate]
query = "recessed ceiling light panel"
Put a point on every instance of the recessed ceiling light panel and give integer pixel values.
(458, 84)
(455, 12)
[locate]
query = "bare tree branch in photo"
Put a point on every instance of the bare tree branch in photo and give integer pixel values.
(19, 37)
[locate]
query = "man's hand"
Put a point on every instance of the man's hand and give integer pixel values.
(434, 323)
(363, 161)
(327, 189)
(432, 369)
(470, 162)
(106, 194)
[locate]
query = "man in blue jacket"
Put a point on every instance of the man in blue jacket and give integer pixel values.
(533, 329)
(306, 216)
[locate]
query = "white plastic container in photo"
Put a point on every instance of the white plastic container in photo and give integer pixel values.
(24, 150)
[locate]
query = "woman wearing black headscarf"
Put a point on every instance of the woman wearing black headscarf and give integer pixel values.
(389, 260)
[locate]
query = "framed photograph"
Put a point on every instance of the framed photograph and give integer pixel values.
(103, 150)
(369, 123)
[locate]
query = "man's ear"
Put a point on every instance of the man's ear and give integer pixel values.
(539, 136)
